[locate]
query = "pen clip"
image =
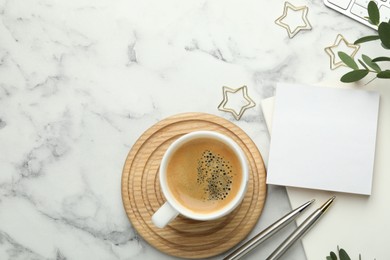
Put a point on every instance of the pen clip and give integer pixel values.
(268, 232)
(300, 230)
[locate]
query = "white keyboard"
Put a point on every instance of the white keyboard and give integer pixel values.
(357, 9)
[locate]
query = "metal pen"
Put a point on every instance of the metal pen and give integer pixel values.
(301, 230)
(266, 233)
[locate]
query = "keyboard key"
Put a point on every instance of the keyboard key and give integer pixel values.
(359, 11)
(384, 13)
(340, 3)
(363, 3)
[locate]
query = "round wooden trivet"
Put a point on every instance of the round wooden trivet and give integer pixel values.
(142, 196)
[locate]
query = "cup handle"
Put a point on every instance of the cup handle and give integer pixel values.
(165, 214)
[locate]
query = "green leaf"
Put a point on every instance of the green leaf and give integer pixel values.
(373, 12)
(367, 39)
(353, 76)
(371, 64)
(333, 256)
(343, 255)
(363, 64)
(384, 74)
(348, 60)
(384, 34)
(384, 47)
(381, 59)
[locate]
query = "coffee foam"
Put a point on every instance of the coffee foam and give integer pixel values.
(204, 175)
(215, 175)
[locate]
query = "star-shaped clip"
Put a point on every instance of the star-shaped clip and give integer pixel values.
(249, 102)
(306, 24)
(332, 51)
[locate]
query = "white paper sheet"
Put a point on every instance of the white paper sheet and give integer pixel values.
(323, 138)
(354, 222)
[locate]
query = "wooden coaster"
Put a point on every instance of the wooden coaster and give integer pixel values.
(142, 196)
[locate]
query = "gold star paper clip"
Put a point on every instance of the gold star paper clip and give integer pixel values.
(332, 51)
(223, 105)
(306, 24)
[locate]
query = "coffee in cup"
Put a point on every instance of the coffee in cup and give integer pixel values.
(203, 175)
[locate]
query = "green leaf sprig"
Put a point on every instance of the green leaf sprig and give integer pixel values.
(341, 255)
(369, 65)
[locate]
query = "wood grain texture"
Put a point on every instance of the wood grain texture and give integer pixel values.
(142, 196)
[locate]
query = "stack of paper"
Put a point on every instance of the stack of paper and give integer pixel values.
(324, 139)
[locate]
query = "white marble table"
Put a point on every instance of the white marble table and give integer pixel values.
(81, 80)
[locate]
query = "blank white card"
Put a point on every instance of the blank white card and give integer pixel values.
(323, 138)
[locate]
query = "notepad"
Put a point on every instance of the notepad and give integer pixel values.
(323, 138)
(354, 220)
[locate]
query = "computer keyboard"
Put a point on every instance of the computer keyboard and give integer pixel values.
(357, 9)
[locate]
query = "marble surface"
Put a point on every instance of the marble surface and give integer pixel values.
(81, 80)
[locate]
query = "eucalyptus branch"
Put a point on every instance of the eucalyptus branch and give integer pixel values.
(369, 65)
(341, 255)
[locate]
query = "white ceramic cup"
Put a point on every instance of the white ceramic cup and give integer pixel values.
(172, 208)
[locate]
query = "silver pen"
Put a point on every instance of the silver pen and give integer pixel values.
(266, 233)
(301, 230)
